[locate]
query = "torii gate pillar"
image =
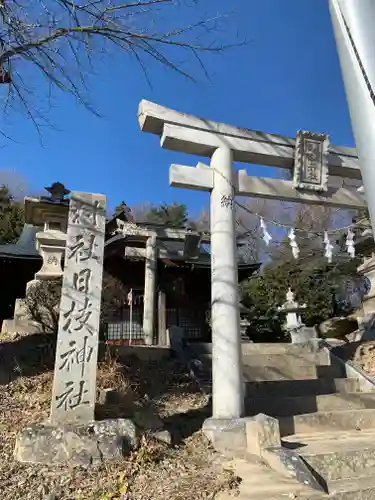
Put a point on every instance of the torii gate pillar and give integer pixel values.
(227, 377)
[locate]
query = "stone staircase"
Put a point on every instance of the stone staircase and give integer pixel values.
(325, 418)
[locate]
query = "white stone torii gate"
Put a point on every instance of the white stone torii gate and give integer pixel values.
(225, 144)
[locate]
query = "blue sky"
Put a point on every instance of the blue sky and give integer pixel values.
(286, 78)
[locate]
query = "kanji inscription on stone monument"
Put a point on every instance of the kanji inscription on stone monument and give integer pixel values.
(311, 161)
(74, 387)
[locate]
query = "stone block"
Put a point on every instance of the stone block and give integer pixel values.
(227, 435)
(141, 352)
(289, 464)
(109, 397)
(121, 431)
(303, 335)
(113, 397)
(262, 432)
(163, 436)
(76, 445)
(21, 311)
(12, 326)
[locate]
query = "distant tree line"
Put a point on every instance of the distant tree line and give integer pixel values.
(11, 217)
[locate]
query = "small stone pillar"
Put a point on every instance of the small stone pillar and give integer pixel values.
(293, 325)
(150, 289)
(162, 319)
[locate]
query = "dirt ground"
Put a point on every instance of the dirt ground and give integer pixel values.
(189, 469)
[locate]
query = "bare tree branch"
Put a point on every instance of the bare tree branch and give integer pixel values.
(64, 39)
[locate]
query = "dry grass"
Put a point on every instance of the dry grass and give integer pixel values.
(364, 357)
(188, 470)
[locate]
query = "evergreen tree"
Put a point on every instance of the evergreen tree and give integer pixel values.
(11, 217)
(324, 287)
(175, 215)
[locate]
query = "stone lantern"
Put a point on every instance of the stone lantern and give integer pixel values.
(293, 324)
(51, 214)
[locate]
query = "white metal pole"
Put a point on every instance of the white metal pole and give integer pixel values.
(354, 28)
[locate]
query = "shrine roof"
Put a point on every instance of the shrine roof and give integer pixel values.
(25, 248)
(176, 247)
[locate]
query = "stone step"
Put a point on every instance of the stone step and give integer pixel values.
(307, 387)
(286, 372)
(259, 482)
(265, 348)
(276, 360)
(289, 387)
(291, 371)
(337, 455)
(256, 348)
(287, 406)
(360, 488)
(328, 421)
(279, 360)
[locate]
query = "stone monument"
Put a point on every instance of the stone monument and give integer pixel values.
(72, 435)
(74, 388)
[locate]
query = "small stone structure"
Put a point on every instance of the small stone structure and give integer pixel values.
(72, 435)
(297, 330)
(49, 213)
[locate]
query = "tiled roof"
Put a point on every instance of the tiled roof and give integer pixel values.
(25, 247)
